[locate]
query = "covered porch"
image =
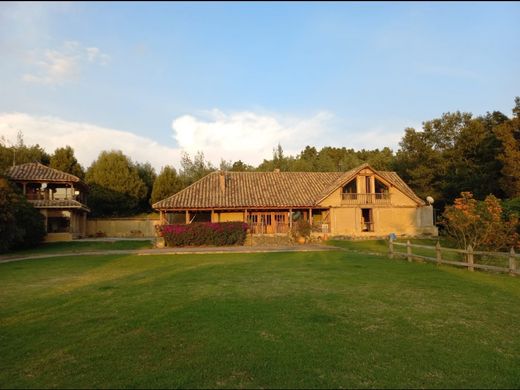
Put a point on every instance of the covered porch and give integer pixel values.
(259, 220)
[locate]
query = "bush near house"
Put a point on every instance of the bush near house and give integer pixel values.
(21, 225)
(204, 233)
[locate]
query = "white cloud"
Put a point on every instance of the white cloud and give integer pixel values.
(86, 139)
(248, 136)
(56, 67)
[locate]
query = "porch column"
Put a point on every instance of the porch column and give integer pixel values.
(213, 216)
(24, 185)
(290, 219)
(187, 217)
(310, 216)
(245, 215)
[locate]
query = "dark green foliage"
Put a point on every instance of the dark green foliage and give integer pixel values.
(115, 185)
(204, 233)
(193, 170)
(166, 184)
(64, 160)
(148, 176)
(19, 153)
(21, 225)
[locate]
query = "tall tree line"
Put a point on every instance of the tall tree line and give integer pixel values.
(456, 152)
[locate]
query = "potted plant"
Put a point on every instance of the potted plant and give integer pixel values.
(301, 231)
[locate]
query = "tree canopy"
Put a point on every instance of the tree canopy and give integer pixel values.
(115, 185)
(64, 160)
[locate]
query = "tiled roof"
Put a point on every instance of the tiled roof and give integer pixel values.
(65, 204)
(39, 172)
(252, 189)
(394, 178)
(267, 189)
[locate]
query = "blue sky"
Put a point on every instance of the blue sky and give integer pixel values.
(234, 79)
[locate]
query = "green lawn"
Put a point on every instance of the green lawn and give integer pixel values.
(310, 319)
(80, 246)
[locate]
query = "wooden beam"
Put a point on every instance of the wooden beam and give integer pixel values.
(187, 217)
(310, 216)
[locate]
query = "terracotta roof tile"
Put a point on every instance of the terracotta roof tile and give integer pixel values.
(40, 172)
(267, 189)
(66, 204)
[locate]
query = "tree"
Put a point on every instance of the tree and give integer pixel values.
(166, 184)
(115, 185)
(21, 225)
(193, 170)
(508, 133)
(481, 224)
(64, 160)
(19, 153)
(148, 176)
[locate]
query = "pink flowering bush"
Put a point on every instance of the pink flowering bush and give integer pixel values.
(204, 233)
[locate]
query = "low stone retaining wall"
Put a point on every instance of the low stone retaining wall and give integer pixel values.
(121, 227)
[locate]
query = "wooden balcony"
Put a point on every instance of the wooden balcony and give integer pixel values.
(360, 199)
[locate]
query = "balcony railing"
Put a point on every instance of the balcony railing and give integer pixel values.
(357, 198)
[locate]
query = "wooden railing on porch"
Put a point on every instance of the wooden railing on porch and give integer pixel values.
(359, 198)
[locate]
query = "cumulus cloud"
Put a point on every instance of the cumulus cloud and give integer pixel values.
(55, 67)
(248, 136)
(86, 139)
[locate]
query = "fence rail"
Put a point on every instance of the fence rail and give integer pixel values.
(469, 256)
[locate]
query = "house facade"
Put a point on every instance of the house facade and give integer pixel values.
(360, 202)
(59, 196)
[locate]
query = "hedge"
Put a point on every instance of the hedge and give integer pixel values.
(204, 233)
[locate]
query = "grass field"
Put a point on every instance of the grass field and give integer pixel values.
(80, 246)
(313, 319)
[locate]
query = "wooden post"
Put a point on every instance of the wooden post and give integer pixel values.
(512, 261)
(310, 217)
(187, 217)
(470, 258)
(290, 219)
(438, 253)
(408, 250)
(390, 248)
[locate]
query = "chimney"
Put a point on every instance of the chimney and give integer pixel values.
(277, 170)
(222, 180)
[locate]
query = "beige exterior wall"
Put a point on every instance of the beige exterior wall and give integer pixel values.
(402, 216)
(399, 220)
(228, 217)
(55, 237)
(122, 227)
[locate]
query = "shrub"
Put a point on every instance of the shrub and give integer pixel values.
(204, 233)
(481, 224)
(301, 228)
(21, 225)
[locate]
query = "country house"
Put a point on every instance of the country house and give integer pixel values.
(59, 196)
(360, 202)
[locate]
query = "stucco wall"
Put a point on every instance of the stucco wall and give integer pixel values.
(122, 227)
(229, 217)
(398, 220)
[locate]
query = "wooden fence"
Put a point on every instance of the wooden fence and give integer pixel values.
(469, 256)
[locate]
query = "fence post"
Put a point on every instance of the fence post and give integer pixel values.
(391, 248)
(470, 258)
(512, 261)
(438, 253)
(408, 250)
